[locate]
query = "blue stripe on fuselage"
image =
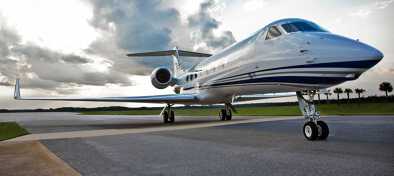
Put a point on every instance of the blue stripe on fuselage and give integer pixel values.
(297, 79)
(350, 64)
(290, 79)
(282, 79)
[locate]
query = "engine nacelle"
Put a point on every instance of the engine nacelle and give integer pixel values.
(162, 78)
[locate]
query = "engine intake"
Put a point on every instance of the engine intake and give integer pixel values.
(161, 78)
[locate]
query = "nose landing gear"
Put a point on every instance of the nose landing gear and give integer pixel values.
(314, 128)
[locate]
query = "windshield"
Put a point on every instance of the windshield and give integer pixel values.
(273, 32)
(302, 26)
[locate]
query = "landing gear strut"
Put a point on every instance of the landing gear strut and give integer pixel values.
(314, 128)
(226, 114)
(168, 114)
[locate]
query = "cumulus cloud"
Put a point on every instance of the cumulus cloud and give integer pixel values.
(383, 4)
(7, 71)
(34, 52)
(132, 26)
(136, 26)
(8, 39)
(124, 26)
(43, 68)
(253, 5)
(4, 83)
(206, 24)
(371, 8)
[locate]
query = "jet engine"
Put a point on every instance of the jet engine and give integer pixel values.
(162, 78)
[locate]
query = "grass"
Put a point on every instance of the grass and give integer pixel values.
(290, 110)
(10, 130)
(358, 109)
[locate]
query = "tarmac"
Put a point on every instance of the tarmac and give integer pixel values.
(143, 145)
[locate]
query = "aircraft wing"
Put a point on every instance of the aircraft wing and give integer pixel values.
(263, 96)
(269, 96)
(168, 99)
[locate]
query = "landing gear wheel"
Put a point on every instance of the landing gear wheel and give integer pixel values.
(172, 117)
(222, 114)
(229, 115)
(165, 117)
(310, 131)
(323, 130)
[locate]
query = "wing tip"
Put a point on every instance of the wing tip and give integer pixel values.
(17, 93)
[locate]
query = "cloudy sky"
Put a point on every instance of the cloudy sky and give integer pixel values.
(78, 47)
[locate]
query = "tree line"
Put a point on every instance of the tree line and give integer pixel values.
(385, 87)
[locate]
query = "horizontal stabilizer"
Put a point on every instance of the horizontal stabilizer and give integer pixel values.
(170, 53)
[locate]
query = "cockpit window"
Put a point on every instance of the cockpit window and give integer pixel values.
(273, 32)
(302, 26)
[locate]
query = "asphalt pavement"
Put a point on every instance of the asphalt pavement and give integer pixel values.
(357, 145)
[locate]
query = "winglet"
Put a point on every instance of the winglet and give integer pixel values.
(17, 93)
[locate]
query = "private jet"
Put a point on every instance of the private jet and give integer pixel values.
(288, 57)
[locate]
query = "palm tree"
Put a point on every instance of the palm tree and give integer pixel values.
(359, 91)
(386, 87)
(348, 92)
(338, 91)
(328, 93)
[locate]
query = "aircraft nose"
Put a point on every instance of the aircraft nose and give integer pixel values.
(371, 52)
(378, 55)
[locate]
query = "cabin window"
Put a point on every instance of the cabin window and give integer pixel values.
(302, 26)
(187, 78)
(273, 32)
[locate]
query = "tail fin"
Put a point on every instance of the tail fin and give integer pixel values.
(175, 63)
(175, 53)
(17, 93)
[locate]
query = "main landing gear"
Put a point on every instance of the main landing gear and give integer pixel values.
(168, 114)
(226, 114)
(314, 128)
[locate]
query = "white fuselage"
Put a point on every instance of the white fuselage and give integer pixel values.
(292, 61)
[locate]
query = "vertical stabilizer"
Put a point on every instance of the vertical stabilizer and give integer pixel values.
(175, 60)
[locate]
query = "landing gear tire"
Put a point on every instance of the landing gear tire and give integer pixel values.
(165, 117)
(168, 114)
(222, 114)
(310, 131)
(171, 118)
(229, 115)
(323, 130)
(314, 128)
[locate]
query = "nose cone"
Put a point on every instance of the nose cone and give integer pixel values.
(366, 55)
(360, 50)
(371, 52)
(328, 45)
(378, 55)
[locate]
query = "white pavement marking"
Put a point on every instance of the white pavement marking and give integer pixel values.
(108, 132)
